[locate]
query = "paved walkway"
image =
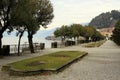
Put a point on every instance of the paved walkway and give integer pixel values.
(102, 63)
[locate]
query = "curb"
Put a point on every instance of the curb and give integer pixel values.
(15, 72)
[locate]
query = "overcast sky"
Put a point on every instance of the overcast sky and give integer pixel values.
(80, 11)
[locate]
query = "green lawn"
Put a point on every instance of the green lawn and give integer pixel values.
(94, 44)
(46, 62)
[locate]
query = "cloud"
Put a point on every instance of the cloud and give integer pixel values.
(80, 11)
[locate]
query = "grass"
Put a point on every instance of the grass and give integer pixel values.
(50, 61)
(94, 44)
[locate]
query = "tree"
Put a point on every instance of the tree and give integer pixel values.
(29, 14)
(43, 16)
(5, 16)
(20, 34)
(116, 33)
(25, 19)
(57, 32)
(97, 36)
(89, 32)
(77, 30)
(32, 15)
(63, 32)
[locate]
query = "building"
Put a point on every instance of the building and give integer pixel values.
(106, 31)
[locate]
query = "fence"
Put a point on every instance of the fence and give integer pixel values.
(23, 47)
(14, 49)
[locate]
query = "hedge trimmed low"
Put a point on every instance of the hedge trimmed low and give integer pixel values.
(43, 64)
(94, 44)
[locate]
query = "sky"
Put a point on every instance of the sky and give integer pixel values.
(67, 12)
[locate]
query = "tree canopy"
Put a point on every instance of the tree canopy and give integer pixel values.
(116, 33)
(77, 30)
(29, 15)
(6, 7)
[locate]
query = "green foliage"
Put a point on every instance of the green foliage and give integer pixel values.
(6, 7)
(76, 30)
(117, 25)
(116, 33)
(89, 31)
(44, 12)
(64, 31)
(25, 10)
(57, 32)
(30, 15)
(98, 36)
(5, 17)
(3, 3)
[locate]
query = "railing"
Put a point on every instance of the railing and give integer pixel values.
(14, 49)
(24, 47)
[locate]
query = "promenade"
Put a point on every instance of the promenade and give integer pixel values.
(102, 63)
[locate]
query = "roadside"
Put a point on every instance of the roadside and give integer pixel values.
(102, 63)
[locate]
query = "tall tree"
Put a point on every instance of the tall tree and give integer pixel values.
(5, 16)
(20, 34)
(89, 32)
(63, 32)
(97, 36)
(43, 16)
(25, 17)
(32, 15)
(77, 30)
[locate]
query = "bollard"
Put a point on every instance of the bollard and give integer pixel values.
(6, 50)
(54, 45)
(42, 46)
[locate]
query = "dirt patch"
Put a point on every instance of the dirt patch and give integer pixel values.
(36, 63)
(60, 56)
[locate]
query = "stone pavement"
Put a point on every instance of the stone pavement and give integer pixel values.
(102, 63)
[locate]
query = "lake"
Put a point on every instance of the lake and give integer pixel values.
(14, 41)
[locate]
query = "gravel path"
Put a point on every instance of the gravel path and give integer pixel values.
(102, 63)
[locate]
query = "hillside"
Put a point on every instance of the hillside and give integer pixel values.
(40, 33)
(105, 20)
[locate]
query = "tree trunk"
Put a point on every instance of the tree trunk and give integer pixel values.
(6, 24)
(0, 44)
(19, 46)
(30, 36)
(21, 34)
(77, 40)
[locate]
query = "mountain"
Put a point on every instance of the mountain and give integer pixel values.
(105, 20)
(40, 33)
(45, 33)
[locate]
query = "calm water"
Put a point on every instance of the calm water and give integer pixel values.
(14, 41)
